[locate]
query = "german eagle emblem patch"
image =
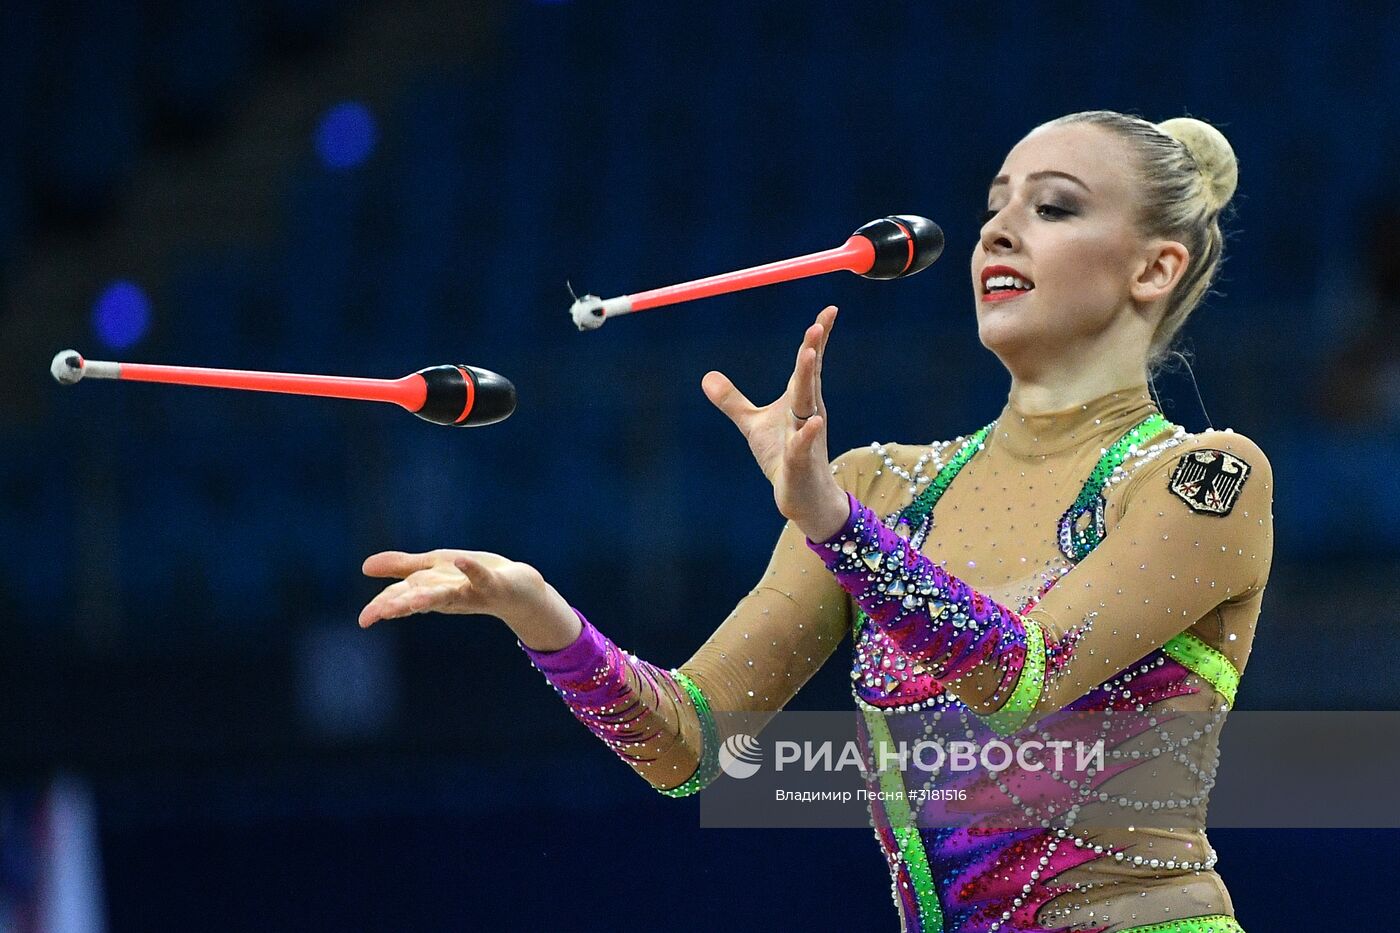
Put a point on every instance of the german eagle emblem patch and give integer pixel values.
(1209, 480)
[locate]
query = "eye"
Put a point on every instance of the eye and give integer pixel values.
(987, 215)
(1052, 212)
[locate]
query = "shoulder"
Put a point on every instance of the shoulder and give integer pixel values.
(1235, 452)
(1225, 439)
(1207, 472)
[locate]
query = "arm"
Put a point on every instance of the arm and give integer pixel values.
(661, 721)
(658, 721)
(1164, 566)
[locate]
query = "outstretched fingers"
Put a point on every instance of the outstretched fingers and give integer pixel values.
(828, 320)
(481, 577)
(387, 605)
(726, 396)
(804, 397)
(804, 384)
(406, 598)
(805, 439)
(397, 563)
(425, 598)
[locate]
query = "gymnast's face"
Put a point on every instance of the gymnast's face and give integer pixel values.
(1058, 264)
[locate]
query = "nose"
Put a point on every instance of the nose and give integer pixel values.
(998, 235)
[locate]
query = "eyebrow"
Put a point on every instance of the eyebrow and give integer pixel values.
(1003, 179)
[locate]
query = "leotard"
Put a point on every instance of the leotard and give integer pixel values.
(1085, 560)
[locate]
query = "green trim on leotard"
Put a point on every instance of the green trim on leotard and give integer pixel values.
(708, 768)
(1215, 923)
(923, 504)
(1025, 696)
(1205, 661)
(905, 828)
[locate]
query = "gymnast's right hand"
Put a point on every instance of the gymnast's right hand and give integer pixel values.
(471, 583)
(788, 437)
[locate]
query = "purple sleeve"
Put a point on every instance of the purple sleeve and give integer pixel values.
(929, 613)
(591, 674)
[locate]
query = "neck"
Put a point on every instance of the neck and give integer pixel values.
(1054, 385)
(1053, 375)
(1034, 397)
(1086, 419)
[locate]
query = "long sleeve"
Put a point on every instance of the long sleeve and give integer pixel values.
(646, 715)
(1177, 552)
(661, 721)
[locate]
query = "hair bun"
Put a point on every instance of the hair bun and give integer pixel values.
(1213, 155)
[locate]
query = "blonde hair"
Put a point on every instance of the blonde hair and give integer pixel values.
(1188, 173)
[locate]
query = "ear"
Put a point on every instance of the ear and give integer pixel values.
(1163, 264)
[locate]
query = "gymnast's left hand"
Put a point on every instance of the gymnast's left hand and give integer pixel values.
(788, 437)
(472, 583)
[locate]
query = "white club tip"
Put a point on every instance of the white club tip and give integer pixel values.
(67, 366)
(589, 312)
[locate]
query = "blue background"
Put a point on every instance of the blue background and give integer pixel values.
(369, 188)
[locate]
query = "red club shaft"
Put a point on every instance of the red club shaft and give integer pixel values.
(855, 255)
(888, 248)
(451, 394)
(408, 392)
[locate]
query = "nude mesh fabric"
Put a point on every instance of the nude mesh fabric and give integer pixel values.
(1163, 568)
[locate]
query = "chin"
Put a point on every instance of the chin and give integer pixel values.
(1004, 333)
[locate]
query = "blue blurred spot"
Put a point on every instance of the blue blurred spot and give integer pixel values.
(121, 314)
(346, 135)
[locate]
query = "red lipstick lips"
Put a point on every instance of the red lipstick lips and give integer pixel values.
(1004, 290)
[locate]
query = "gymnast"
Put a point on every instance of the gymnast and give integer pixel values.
(1078, 553)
